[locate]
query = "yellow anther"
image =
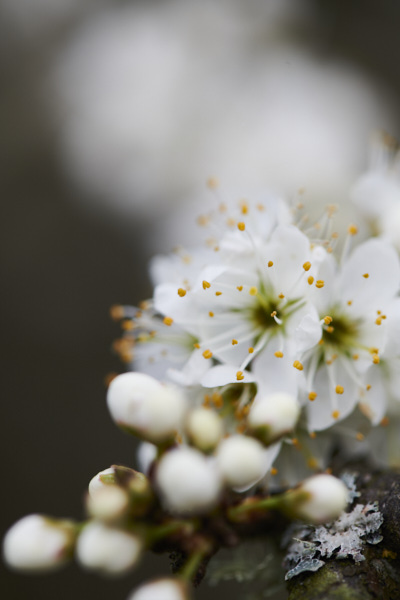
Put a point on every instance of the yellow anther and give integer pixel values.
(296, 442)
(336, 414)
(181, 292)
(117, 312)
(310, 280)
(321, 341)
(355, 356)
(368, 387)
(307, 265)
(196, 345)
(297, 365)
(244, 207)
(281, 296)
(312, 396)
(207, 354)
(339, 389)
(329, 329)
(168, 321)
(270, 263)
(217, 399)
(234, 342)
(313, 435)
(366, 275)
(212, 183)
(218, 293)
(206, 401)
(359, 436)
(239, 287)
(278, 354)
(239, 376)
(349, 302)
(312, 463)
(378, 312)
(384, 422)
(384, 317)
(352, 229)
(211, 314)
(319, 283)
(328, 320)
(374, 350)
(378, 321)
(253, 291)
(274, 471)
(251, 350)
(206, 285)
(241, 226)
(274, 313)
(375, 359)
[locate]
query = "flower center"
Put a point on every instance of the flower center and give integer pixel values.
(342, 333)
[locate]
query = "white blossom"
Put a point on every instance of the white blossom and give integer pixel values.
(106, 549)
(38, 543)
(242, 461)
(161, 589)
(273, 416)
(319, 499)
(188, 481)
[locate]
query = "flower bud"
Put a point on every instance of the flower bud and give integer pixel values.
(144, 406)
(204, 429)
(319, 499)
(38, 543)
(188, 481)
(106, 549)
(240, 460)
(101, 480)
(108, 504)
(273, 416)
(162, 589)
(146, 454)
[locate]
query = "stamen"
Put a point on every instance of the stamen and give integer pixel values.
(319, 283)
(211, 314)
(352, 229)
(181, 292)
(168, 321)
(207, 354)
(310, 280)
(241, 226)
(274, 471)
(336, 414)
(117, 312)
(307, 265)
(312, 396)
(239, 376)
(253, 291)
(218, 293)
(251, 350)
(359, 436)
(297, 365)
(196, 345)
(328, 320)
(206, 285)
(378, 321)
(239, 287)
(366, 275)
(375, 359)
(278, 354)
(339, 389)
(234, 342)
(270, 263)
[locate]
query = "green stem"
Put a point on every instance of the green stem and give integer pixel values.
(192, 565)
(263, 504)
(159, 532)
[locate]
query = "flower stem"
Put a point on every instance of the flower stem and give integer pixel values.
(262, 504)
(192, 565)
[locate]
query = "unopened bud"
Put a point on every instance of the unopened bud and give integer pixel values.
(188, 481)
(319, 499)
(240, 460)
(101, 480)
(107, 549)
(38, 543)
(146, 407)
(273, 416)
(204, 429)
(162, 589)
(108, 504)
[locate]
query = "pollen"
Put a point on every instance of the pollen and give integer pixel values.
(336, 414)
(278, 354)
(307, 265)
(352, 229)
(239, 376)
(218, 293)
(207, 354)
(251, 350)
(297, 365)
(206, 285)
(339, 389)
(319, 283)
(310, 280)
(366, 275)
(234, 342)
(196, 345)
(274, 471)
(212, 183)
(241, 226)
(253, 291)
(270, 263)
(211, 314)
(116, 312)
(181, 292)
(328, 320)
(168, 321)
(359, 436)
(312, 396)
(375, 359)
(239, 287)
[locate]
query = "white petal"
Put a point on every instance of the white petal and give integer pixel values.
(223, 374)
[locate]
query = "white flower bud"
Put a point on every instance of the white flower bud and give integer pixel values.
(188, 481)
(100, 481)
(106, 549)
(319, 499)
(145, 406)
(162, 589)
(146, 454)
(37, 543)
(204, 429)
(240, 460)
(107, 504)
(273, 416)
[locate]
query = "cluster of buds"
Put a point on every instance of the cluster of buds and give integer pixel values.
(201, 473)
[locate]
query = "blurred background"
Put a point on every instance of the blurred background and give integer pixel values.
(113, 114)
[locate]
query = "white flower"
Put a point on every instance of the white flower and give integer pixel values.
(101, 480)
(188, 481)
(204, 428)
(142, 404)
(106, 549)
(146, 454)
(319, 499)
(161, 589)
(108, 503)
(38, 543)
(273, 416)
(242, 461)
